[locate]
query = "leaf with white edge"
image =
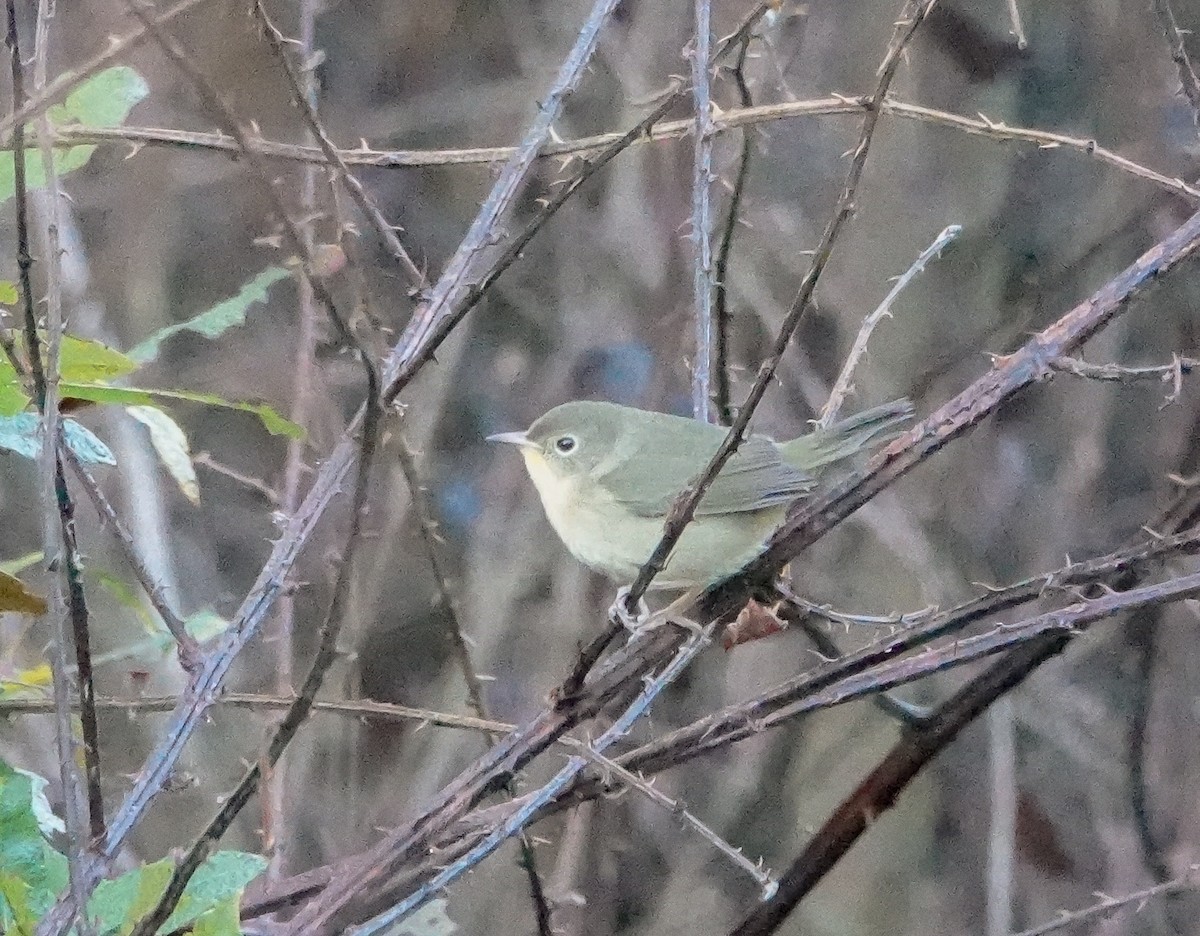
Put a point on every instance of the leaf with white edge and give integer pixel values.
(23, 849)
(127, 396)
(20, 434)
(224, 315)
(40, 804)
(171, 444)
(16, 596)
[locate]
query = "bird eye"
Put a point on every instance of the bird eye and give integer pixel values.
(565, 445)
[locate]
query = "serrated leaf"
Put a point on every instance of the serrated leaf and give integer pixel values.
(16, 596)
(134, 396)
(17, 914)
(171, 444)
(218, 319)
(20, 434)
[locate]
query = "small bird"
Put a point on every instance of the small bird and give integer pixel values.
(608, 474)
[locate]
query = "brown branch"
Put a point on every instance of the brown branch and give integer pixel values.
(732, 119)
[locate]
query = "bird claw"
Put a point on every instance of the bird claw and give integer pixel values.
(631, 621)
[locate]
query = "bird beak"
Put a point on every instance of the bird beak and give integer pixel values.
(512, 438)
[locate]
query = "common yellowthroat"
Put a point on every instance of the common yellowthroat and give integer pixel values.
(607, 476)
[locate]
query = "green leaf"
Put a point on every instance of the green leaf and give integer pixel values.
(8, 293)
(40, 805)
(117, 905)
(222, 920)
(21, 563)
(13, 398)
(24, 853)
(171, 444)
(218, 319)
(220, 879)
(127, 396)
(20, 434)
(104, 100)
(16, 596)
(87, 361)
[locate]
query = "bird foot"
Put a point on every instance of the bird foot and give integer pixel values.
(634, 622)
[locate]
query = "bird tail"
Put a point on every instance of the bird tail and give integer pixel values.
(845, 438)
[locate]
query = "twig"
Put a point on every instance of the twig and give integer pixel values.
(842, 386)
(1109, 905)
(187, 648)
(879, 790)
(522, 816)
(735, 118)
(702, 178)
(385, 231)
(763, 878)
(1167, 373)
(357, 708)
(304, 381)
(684, 507)
(450, 285)
(462, 651)
(1188, 82)
(721, 364)
(206, 843)
(1002, 818)
(52, 528)
(1018, 31)
(57, 90)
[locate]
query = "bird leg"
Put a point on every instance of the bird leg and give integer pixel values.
(631, 620)
(673, 613)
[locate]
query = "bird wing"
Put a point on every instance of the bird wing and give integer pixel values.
(647, 481)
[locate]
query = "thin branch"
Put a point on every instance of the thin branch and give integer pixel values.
(357, 708)
(1165, 373)
(383, 229)
(1108, 906)
(57, 90)
(1189, 84)
(187, 648)
(453, 281)
(724, 319)
(54, 546)
(677, 808)
(702, 178)
(445, 603)
(1018, 30)
(842, 386)
(524, 815)
(684, 507)
(735, 118)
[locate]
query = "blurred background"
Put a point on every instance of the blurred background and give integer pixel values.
(1099, 746)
